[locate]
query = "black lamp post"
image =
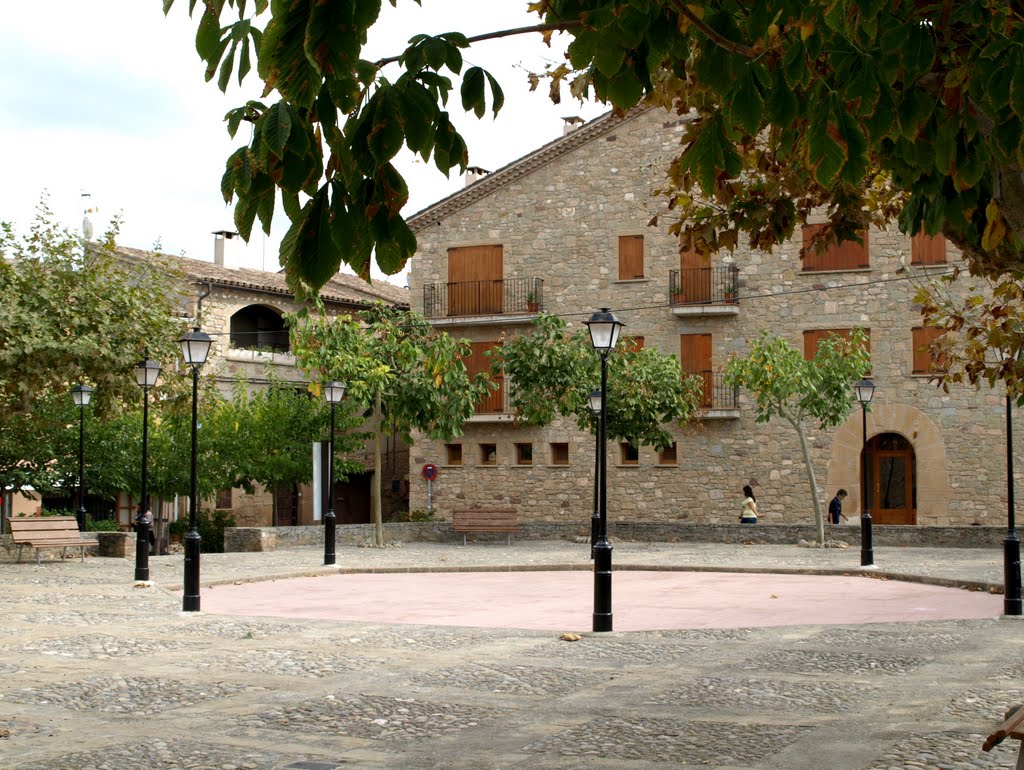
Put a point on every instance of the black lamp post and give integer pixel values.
(146, 374)
(333, 393)
(195, 347)
(604, 333)
(865, 390)
(1011, 543)
(594, 401)
(81, 394)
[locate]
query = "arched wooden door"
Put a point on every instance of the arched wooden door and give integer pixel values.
(892, 479)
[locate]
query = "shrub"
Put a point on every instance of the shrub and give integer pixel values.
(211, 529)
(416, 515)
(101, 525)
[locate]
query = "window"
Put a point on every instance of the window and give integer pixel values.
(667, 456)
(848, 255)
(454, 452)
(927, 250)
(475, 282)
(223, 499)
(488, 454)
(695, 359)
(633, 343)
(630, 454)
(479, 361)
(524, 454)
(560, 454)
(631, 257)
(925, 361)
(258, 327)
(813, 336)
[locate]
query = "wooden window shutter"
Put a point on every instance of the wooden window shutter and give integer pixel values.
(631, 257)
(848, 255)
(695, 358)
(924, 363)
(478, 362)
(633, 343)
(927, 249)
(813, 336)
(475, 279)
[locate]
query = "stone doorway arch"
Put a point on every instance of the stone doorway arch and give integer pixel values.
(934, 493)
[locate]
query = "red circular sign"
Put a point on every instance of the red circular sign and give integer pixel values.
(429, 472)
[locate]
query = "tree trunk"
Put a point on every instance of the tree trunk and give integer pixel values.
(818, 520)
(378, 521)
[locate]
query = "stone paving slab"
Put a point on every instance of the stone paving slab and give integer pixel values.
(96, 673)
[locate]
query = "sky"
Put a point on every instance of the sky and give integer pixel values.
(107, 98)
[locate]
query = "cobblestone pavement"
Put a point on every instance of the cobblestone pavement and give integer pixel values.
(97, 672)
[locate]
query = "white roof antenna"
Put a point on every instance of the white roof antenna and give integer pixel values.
(86, 222)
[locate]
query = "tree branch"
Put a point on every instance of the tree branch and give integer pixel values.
(720, 40)
(556, 26)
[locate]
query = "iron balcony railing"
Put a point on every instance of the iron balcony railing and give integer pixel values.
(704, 285)
(468, 298)
(275, 340)
(716, 394)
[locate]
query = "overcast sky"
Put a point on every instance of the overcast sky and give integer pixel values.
(107, 97)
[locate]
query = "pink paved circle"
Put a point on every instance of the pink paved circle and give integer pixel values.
(563, 601)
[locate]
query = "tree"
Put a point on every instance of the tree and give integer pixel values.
(784, 384)
(553, 373)
(408, 377)
(906, 110)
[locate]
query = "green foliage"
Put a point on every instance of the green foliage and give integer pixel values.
(417, 515)
(553, 373)
(211, 526)
(782, 383)
(101, 525)
(178, 527)
(874, 111)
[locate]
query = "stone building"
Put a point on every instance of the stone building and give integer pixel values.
(564, 229)
(243, 310)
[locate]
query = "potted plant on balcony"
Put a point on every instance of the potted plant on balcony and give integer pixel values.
(532, 305)
(678, 297)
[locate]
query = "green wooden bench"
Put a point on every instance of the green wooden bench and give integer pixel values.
(485, 520)
(48, 532)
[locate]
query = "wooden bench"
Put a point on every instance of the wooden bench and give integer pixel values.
(48, 532)
(1013, 727)
(490, 520)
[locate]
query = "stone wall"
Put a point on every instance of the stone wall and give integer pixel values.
(561, 221)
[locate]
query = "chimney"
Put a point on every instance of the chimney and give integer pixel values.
(473, 173)
(571, 124)
(224, 249)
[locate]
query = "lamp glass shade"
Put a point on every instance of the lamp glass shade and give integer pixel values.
(594, 401)
(195, 347)
(334, 391)
(604, 330)
(865, 390)
(81, 394)
(147, 372)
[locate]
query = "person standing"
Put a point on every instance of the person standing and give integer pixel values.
(835, 507)
(748, 510)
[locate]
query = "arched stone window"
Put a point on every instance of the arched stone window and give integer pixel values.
(258, 327)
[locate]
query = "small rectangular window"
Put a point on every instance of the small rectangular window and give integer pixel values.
(924, 361)
(631, 257)
(524, 454)
(927, 249)
(560, 454)
(630, 454)
(633, 343)
(848, 255)
(667, 456)
(223, 499)
(454, 452)
(488, 454)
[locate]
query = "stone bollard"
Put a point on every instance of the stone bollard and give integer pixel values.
(113, 544)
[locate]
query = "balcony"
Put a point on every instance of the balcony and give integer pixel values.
(483, 302)
(704, 291)
(721, 401)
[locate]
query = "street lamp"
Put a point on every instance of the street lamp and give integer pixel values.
(81, 394)
(334, 391)
(594, 402)
(1011, 543)
(146, 373)
(604, 333)
(865, 390)
(195, 347)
